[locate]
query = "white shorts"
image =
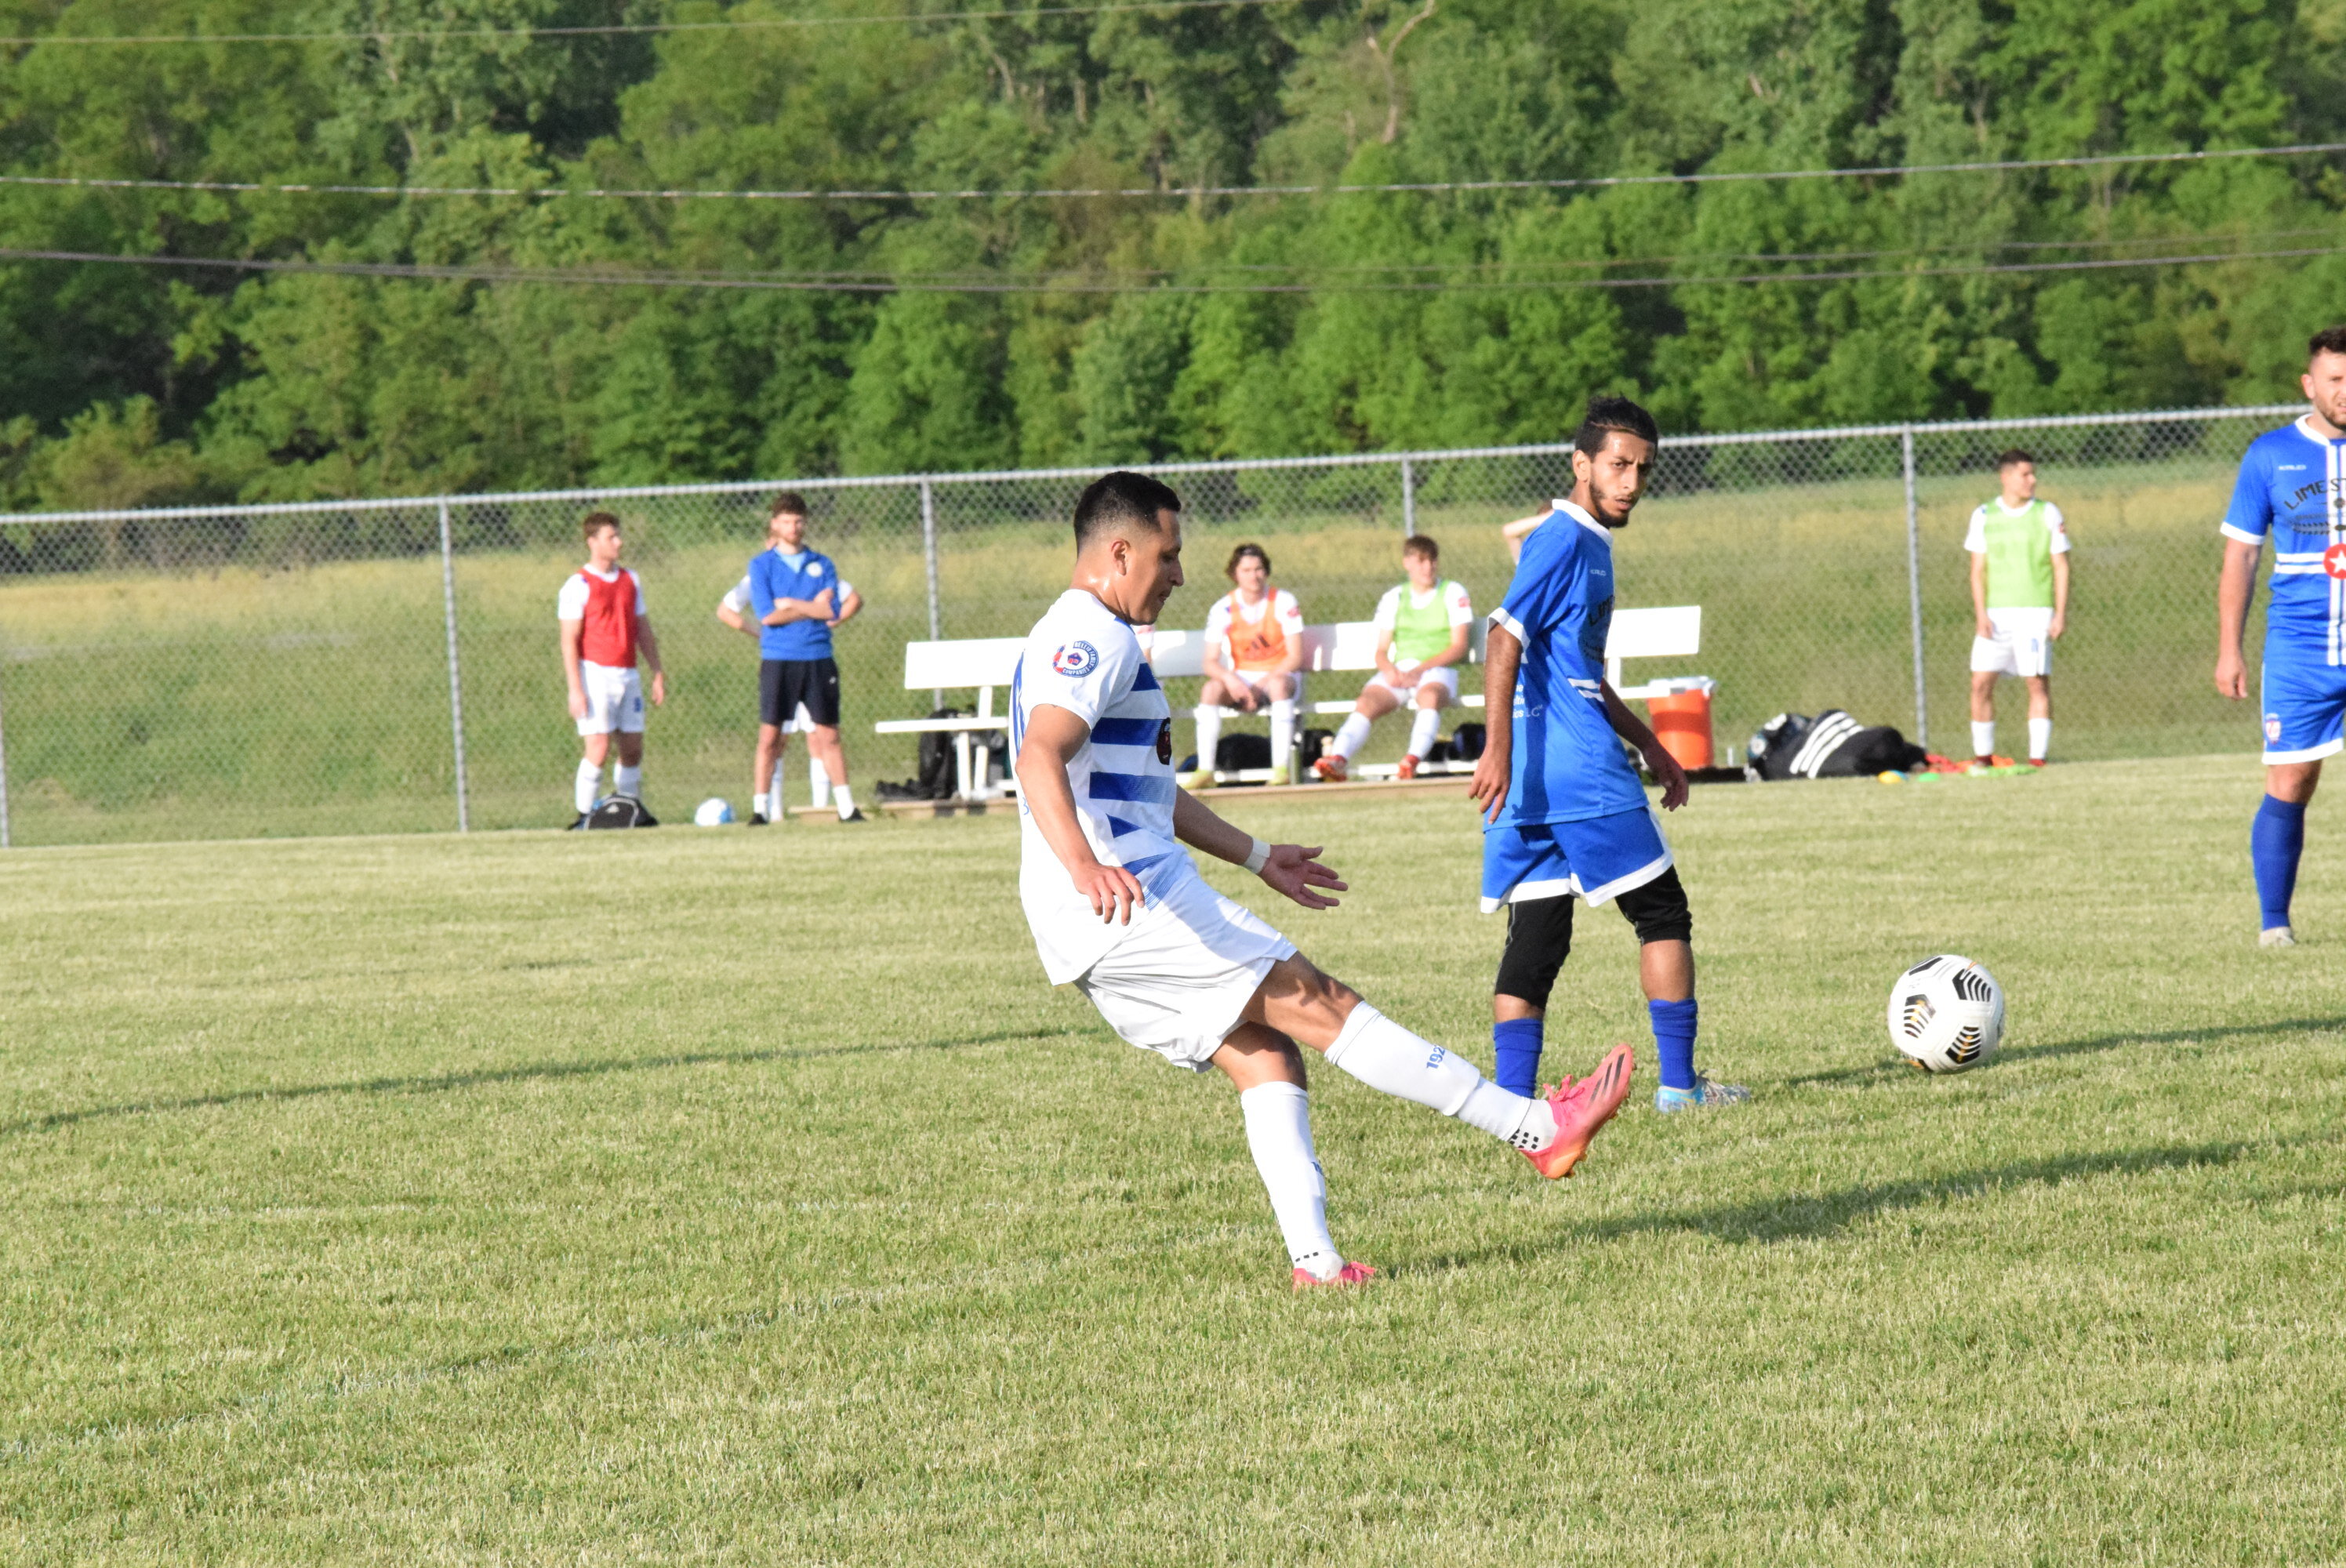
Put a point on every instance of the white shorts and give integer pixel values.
(1179, 980)
(2020, 645)
(1413, 681)
(614, 700)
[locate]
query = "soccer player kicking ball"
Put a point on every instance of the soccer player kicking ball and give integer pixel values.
(2292, 486)
(1565, 813)
(1423, 629)
(2020, 603)
(604, 622)
(1117, 908)
(1254, 652)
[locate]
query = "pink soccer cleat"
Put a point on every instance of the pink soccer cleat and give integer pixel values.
(1580, 1109)
(1351, 1274)
(1408, 769)
(1332, 767)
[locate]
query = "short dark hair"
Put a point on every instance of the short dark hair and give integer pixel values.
(1421, 544)
(789, 501)
(1240, 553)
(1610, 414)
(2328, 340)
(2013, 454)
(1116, 500)
(594, 522)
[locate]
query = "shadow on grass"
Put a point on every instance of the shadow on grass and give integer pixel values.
(1792, 1218)
(1897, 1066)
(444, 1083)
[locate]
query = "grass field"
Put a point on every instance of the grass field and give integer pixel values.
(734, 1196)
(249, 702)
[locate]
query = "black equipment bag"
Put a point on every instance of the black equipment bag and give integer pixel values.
(1831, 746)
(619, 812)
(1466, 742)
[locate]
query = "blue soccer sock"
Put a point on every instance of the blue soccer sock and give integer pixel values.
(1516, 1044)
(2276, 841)
(1673, 1026)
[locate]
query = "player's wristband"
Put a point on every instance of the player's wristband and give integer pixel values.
(1258, 856)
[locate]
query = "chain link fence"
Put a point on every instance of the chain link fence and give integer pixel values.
(393, 665)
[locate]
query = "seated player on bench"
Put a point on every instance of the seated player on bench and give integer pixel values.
(1424, 626)
(1254, 653)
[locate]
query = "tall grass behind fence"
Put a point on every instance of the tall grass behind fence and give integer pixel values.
(285, 670)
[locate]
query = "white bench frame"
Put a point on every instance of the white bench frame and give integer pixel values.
(986, 663)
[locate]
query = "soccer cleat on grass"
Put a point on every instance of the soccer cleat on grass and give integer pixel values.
(1408, 769)
(2277, 936)
(1351, 1274)
(1332, 767)
(1198, 778)
(1580, 1109)
(856, 816)
(2036, 762)
(1984, 764)
(580, 825)
(1702, 1097)
(757, 820)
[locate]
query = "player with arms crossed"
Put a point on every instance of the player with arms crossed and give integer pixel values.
(1565, 813)
(1117, 906)
(601, 613)
(1254, 648)
(795, 595)
(1424, 626)
(2292, 486)
(766, 789)
(2019, 547)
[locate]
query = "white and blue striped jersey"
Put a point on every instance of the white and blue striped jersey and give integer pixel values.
(1082, 657)
(2293, 486)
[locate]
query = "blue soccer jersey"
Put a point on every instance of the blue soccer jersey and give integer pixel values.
(774, 575)
(1568, 764)
(2293, 486)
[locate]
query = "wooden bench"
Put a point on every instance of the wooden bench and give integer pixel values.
(1343, 646)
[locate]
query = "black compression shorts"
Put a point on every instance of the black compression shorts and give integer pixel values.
(784, 683)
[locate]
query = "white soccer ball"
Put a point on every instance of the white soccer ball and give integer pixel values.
(714, 813)
(1946, 1014)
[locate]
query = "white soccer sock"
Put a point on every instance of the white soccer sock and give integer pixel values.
(1351, 738)
(590, 778)
(1983, 737)
(757, 807)
(1282, 733)
(818, 783)
(1385, 1056)
(1278, 1131)
(1209, 733)
(627, 781)
(774, 791)
(2040, 738)
(843, 800)
(1422, 729)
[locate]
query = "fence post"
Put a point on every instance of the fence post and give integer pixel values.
(455, 679)
(1914, 586)
(929, 550)
(1408, 497)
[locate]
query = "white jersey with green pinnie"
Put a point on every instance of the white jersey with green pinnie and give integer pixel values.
(2019, 546)
(1422, 624)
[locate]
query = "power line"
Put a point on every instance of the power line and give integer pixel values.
(835, 284)
(296, 187)
(631, 28)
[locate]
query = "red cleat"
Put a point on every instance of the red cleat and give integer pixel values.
(1408, 769)
(1580, 1109)
(1332, 767)
(2036, 762)
(1351, 1274)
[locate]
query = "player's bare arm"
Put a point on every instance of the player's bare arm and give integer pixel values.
(734, 618)
(785, 611)
(1517, 532)
(1460, 635)
(2060, 596)
(646, 640)
(848, 609)
(1981, 625)
(1222, 684)
(1290, 870)
(1054, 735)
(1663, 767)
(1502, 656)
(573, 632)
(2233, 587)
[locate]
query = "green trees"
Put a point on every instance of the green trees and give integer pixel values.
(960, 333)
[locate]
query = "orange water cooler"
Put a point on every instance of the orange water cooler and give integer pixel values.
(1681, 715)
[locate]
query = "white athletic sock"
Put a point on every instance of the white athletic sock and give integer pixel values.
(843, 800)
(757, 807)
(627, 781)
(1983, 737)
(1278, 1131)
(1282, 733)
(2040, 738)
(590, 778)
(1209, 733)
(1422, 729)
(774, 791)
(1385, 1056)
(818, 783)
(1351, 738)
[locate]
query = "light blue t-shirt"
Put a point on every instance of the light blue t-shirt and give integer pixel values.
(1569, 765)
(2293, 486)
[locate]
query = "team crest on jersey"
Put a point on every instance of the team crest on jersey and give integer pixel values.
(1076, 659)
(2333, 560)
(2272, 727)
(1165, 741)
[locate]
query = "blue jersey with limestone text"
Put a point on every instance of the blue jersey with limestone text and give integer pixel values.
(774, 575)
(1568, 764)
(2293, 486)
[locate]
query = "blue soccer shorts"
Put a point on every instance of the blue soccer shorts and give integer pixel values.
(1598, 858)
(2305, 709)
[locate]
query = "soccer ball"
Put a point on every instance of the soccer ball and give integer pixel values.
(714, 813)
(1946, 1014)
